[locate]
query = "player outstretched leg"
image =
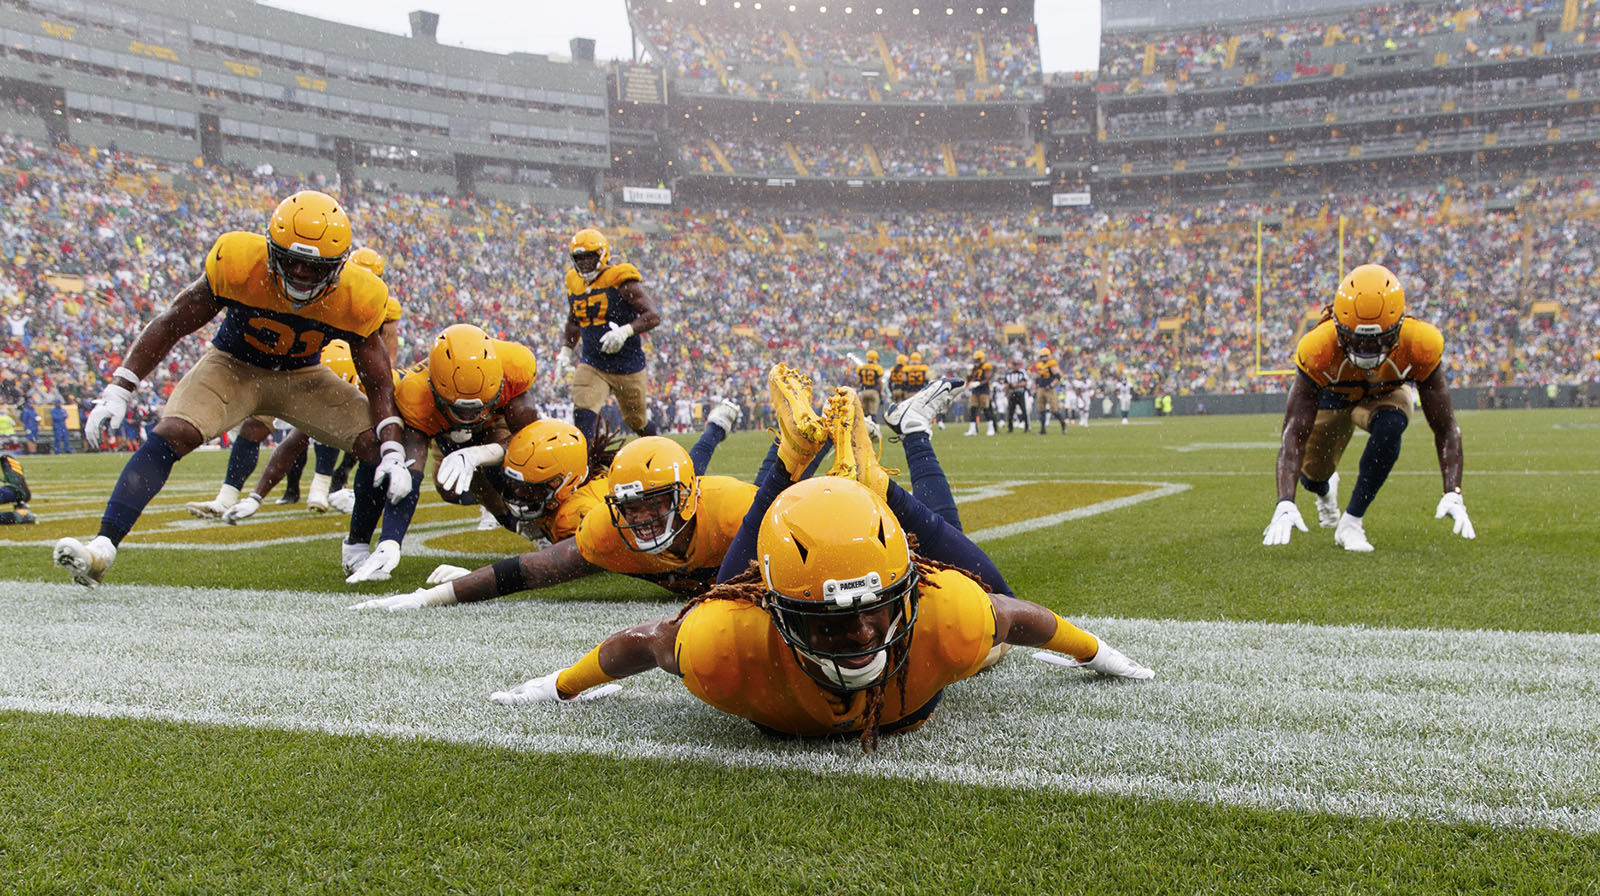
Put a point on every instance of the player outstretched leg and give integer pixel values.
(1377, 459)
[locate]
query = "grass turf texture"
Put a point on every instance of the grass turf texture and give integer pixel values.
(224, 809)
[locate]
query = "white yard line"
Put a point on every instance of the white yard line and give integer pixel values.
(1495, 728)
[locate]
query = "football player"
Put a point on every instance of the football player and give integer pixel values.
(869, 383)
(1358, 368)
(466, 401)
(244, 453)
(1124, 397)
(282, 294)
(14, 491)
(897, 378)
(1046, 379)
(824, 621)
(608, 308)
(916, 374)
(980, 380)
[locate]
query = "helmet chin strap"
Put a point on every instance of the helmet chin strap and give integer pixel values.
(590, 277)
(1366, 362)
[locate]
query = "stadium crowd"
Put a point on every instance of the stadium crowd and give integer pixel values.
(1165, 298)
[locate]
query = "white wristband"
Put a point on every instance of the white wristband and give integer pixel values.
(392, 418)
(391, 447)
(123, 372)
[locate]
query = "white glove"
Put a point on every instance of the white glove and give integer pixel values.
(392, 469)
(1452, 505)
(543, 690)
(246, 507)
(612, 340)
(459, 466)
(1285, 518)
(422, 598)
(444, 572)
(110, 409)
(377, 566)
(343, 500)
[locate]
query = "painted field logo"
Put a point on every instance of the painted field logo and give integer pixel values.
(1003, 509)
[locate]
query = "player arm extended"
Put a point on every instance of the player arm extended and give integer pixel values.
(372, 366)
(1434, 394)
(1298, 418)
(653, 645)
(192, 308)
(560, 562)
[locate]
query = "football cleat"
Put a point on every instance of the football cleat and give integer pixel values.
(11, 472)
(1350, 535)
(87, 562)
(725, 415)
(801, 433)
(227, 496)
(351, 556)
(854, 454)
(289, 496)
(343, 500)
(19, 515)
(917, 413)
(1328, 505)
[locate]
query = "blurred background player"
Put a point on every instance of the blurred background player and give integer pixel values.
(980, 400)
(1046, 380)
(1083, 390)
(1124, 397)
(608, 309)
(282, 294)
(869, 383)
(1358, 368)
(897, 378)
(1016, 383)
(14, 491)
(916, 374)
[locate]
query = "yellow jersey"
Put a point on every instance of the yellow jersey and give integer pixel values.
(723, 504)
(414, 395)
(1416, 355)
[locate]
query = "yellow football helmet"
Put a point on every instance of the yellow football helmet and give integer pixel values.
(368, 258)
(590, 253)
(654, 493)
(841, 585)
(916, 357)
(872, 356)
(900, 360)
(336, 356)
(1367, 311)
(1044, 354)
(978, 357)
(465, 373)
(308, 241)
(545, 463)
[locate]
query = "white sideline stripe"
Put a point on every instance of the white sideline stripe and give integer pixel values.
(1493, 728)
(1007, 530)
(411, 548)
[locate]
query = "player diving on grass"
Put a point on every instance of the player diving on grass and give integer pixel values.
(825, 619)
(283, 295)
(1357, 368)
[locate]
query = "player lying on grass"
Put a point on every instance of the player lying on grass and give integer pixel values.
(825, 620)
(664, 520)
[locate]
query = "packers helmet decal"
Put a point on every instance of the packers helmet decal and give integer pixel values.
(841, 582)
(1367, 311)
(308, 242)
(654, 493)
(465, 374)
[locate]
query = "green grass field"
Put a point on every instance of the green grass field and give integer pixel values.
(1424, 719)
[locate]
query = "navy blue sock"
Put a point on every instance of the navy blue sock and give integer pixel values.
(1320, 489)
(704, 447)
(938, 540)
(241, 462)
(368, 507)
(927, 477)
(341, 473)
(768, 465)
(587, 421)
(327, 456)
(397, 517)
(141, 480)
(1383, 449)
(742, 549)
(9, 495)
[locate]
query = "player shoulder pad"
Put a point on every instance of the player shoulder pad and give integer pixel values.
(391, 309)
(958, 615)
(1317, 351)
(519, 367)
(616, 275)
(235, 259)
(413, 395)
(1423, 346)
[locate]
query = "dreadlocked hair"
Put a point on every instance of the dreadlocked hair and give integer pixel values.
(1327, 313)
(603, 448)
(746, 585)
